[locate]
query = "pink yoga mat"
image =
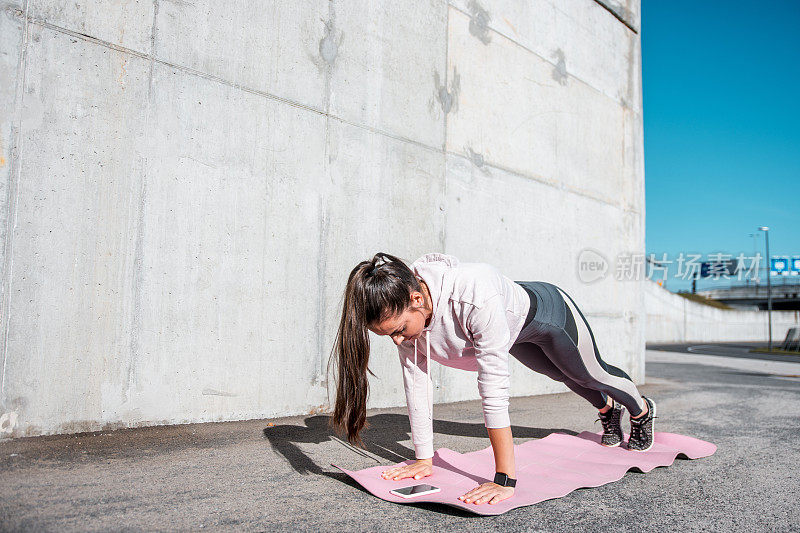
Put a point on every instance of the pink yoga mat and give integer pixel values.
(547, 468)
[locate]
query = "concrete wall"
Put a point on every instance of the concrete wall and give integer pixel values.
(673, 318)
(185, 187)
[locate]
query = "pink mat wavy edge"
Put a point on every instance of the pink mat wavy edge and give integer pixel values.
(547, 468)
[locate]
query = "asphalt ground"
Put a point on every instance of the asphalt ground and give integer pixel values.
(265, 475)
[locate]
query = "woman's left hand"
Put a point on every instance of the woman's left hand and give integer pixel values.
(488, 492)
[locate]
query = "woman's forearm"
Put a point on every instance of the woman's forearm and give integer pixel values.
(503, 448)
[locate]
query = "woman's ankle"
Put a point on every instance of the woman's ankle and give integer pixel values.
(608, 407)
(645, 410)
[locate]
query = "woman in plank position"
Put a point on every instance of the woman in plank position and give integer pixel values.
(472, 317)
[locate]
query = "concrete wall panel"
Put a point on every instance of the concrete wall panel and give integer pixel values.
(578, 38)
(390, 67)
(272, 47)
(73, 240)
(128, 24)
(513, 114)
(220, 325)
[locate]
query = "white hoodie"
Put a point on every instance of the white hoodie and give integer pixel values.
(477, 315)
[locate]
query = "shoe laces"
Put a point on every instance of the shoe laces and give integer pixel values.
(637, 426)
(610, 419)
(636, 430)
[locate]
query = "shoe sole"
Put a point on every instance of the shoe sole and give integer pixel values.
(654, 429)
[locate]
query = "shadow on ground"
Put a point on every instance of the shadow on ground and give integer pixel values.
(382, 438)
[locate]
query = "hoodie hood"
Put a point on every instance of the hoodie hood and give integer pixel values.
(437, 271)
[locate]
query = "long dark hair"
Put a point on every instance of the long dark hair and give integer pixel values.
(376, 290)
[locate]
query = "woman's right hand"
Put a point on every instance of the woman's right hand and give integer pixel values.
(418, 469)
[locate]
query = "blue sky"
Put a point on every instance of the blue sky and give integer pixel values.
(721, 126)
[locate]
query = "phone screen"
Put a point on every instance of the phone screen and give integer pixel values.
(415, 490)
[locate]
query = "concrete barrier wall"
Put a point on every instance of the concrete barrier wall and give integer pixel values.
(185, 187)
(673, 318)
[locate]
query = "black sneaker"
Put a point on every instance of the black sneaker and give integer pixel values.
(612, 430)
(641, 438)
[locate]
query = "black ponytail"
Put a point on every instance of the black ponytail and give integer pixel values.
(376, 290)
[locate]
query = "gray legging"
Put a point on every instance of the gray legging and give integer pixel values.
(553, 344)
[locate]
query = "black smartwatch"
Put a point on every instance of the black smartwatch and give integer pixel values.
(504, 481)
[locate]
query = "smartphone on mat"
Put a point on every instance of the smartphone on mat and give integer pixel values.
(415, 490)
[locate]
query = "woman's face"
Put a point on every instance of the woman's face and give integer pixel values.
(407, 325)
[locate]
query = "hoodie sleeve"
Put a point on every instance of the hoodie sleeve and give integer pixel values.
(419, 400)
(491, 335)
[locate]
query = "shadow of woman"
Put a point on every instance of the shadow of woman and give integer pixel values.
(382, 439)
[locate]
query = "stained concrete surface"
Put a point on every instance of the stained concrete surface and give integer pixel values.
(275, 474)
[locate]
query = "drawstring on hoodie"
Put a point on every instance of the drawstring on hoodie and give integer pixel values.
(427, 372)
